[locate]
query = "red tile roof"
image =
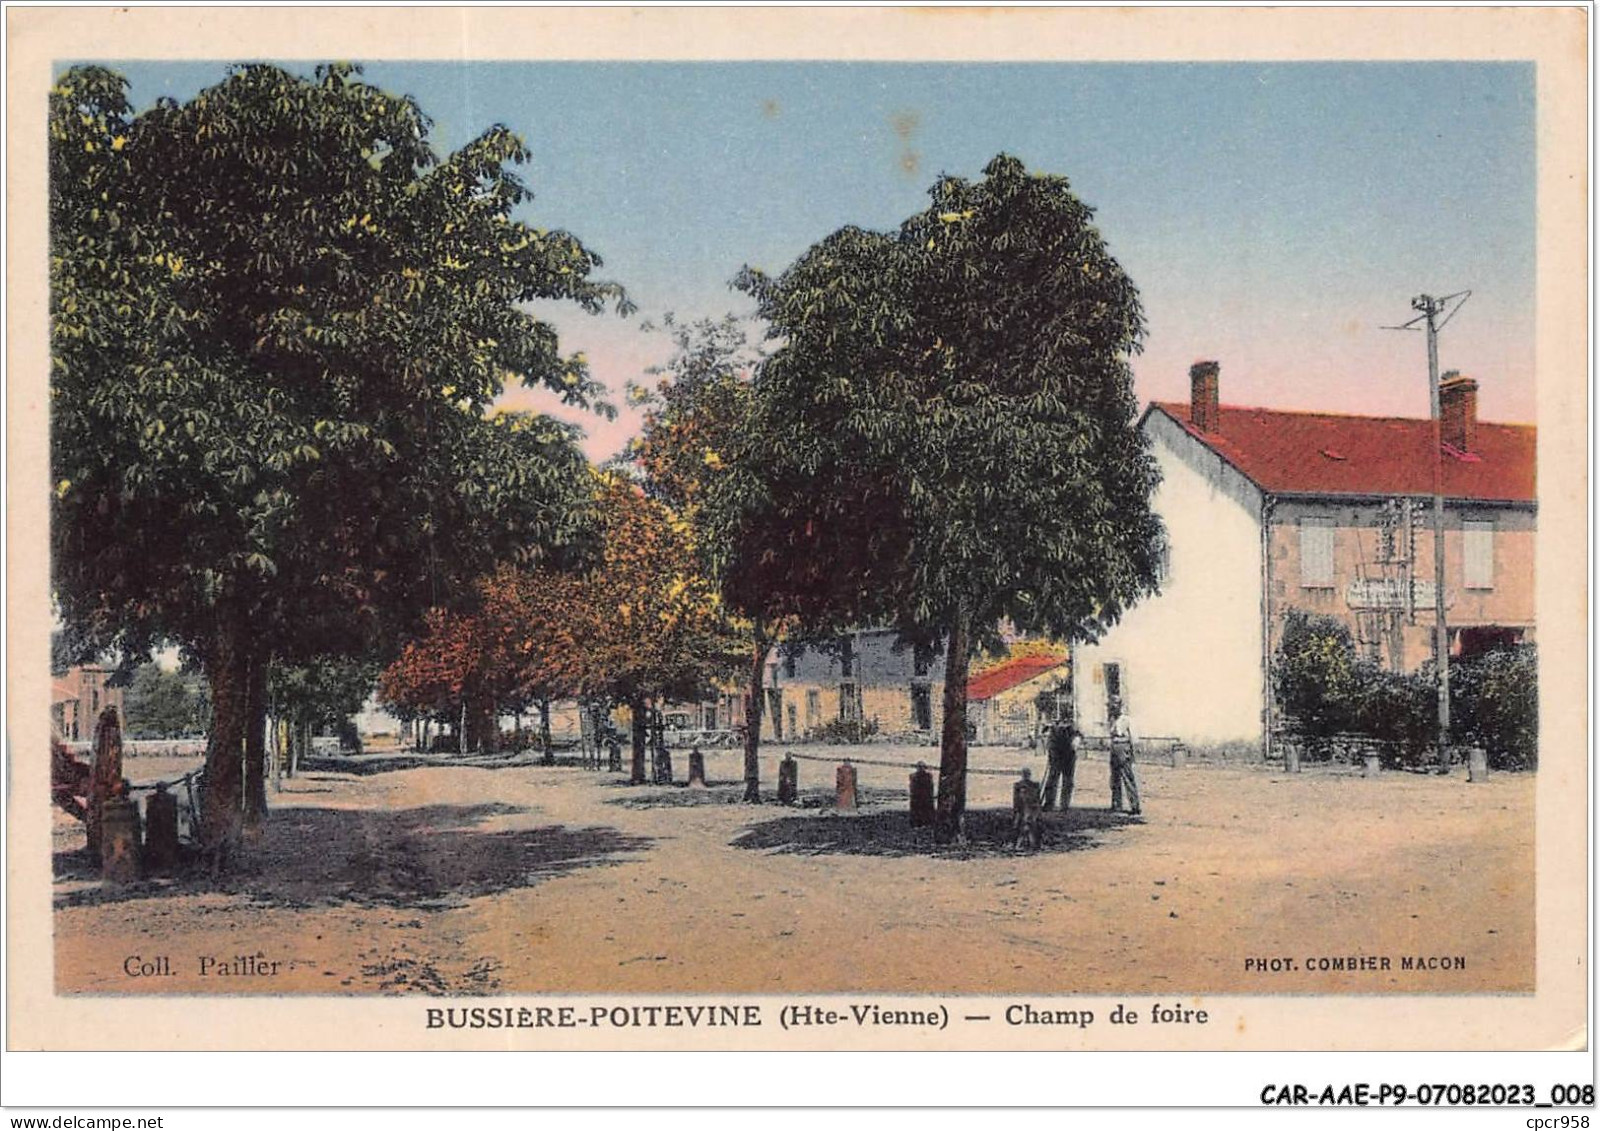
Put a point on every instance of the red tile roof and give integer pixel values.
(1007, 675)
(1320, 453)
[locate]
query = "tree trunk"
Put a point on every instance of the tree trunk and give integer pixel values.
(222, 807)
(949, 823)
(544, 732)
(637, 709)
(255, 745)
(276, 748)
(461, 728)
(752, 719)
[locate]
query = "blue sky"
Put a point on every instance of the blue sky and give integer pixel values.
(1274, 216)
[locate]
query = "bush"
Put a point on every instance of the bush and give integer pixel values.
(1316, 679)
(846, 732)
(1494, 703)
(1399, 710)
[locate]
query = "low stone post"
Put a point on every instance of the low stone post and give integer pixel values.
(845, 787)
(1477, 764)
(697, 767)
(788, 781)
(664, 766)
(161, 830)
(1180, 755)
(1371, 767)
(922, 809)
(119, 841)
(1026, 827)
(1291, 757)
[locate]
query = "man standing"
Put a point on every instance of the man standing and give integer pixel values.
(1122, 762)
(1061, 765)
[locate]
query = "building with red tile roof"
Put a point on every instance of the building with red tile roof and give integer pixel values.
(1269, 511)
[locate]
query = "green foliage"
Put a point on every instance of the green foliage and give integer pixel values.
(947, 430)
(1317, 678)
(1494, 703)
(1399, 709)
(324, 691)
(164, 704)
(277, 318)
(1325, 690)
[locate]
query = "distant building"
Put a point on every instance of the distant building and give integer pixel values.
(1007, 703)
(869, 677)
(77, 696)
(1270, 511)
(866, 676)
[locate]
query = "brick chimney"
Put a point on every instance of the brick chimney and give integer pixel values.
(1203, 411)
(1458, 411)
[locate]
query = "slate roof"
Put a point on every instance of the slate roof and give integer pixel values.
(1009, 674)
(1320, 453)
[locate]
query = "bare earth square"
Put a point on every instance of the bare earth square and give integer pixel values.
(448, 879)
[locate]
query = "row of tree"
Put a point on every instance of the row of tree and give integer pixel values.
(279, 323)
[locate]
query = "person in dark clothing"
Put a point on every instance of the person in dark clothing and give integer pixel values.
(1061, 765)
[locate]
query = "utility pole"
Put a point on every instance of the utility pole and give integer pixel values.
(1433, 313)
(1431, 308)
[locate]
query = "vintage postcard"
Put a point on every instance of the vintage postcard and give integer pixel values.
(797, 529)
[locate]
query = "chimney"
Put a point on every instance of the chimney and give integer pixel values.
(1458, 411)
(1203, 411)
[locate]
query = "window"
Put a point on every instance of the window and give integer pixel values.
(1111, 676)
(1316, 553)
(921, 707)
(1477, 563)
(813, 707)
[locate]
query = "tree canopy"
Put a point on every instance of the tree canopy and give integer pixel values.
(945, 437)
(277, 321)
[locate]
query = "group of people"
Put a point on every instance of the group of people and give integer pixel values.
(1062, 764)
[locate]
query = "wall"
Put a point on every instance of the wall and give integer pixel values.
(1191, 656)
(882, 675)
(1356, 534)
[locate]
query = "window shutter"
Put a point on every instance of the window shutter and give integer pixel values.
(1477, 540)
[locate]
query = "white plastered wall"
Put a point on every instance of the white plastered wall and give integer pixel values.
(1190, 657)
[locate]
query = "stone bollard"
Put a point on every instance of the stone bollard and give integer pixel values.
(1291, 758)
(697, 767)
(664, 767)
(1477, 764)
(788, 781)
(1026, 830)
(1180, 755)
(921, 797)
(845, 787)
(161, 830)
(1371, 767)
(119, 841)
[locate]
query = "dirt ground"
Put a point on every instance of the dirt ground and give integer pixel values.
(387, 874)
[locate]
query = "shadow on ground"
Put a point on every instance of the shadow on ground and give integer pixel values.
(679, 795)
(429, 857)
(391, 761)
(988, 833)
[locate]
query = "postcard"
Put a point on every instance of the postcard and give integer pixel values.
(795, 529)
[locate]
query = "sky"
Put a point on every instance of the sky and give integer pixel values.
(1275, 217)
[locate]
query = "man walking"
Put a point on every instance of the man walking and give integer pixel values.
(1122, 763)
(1061, 765)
